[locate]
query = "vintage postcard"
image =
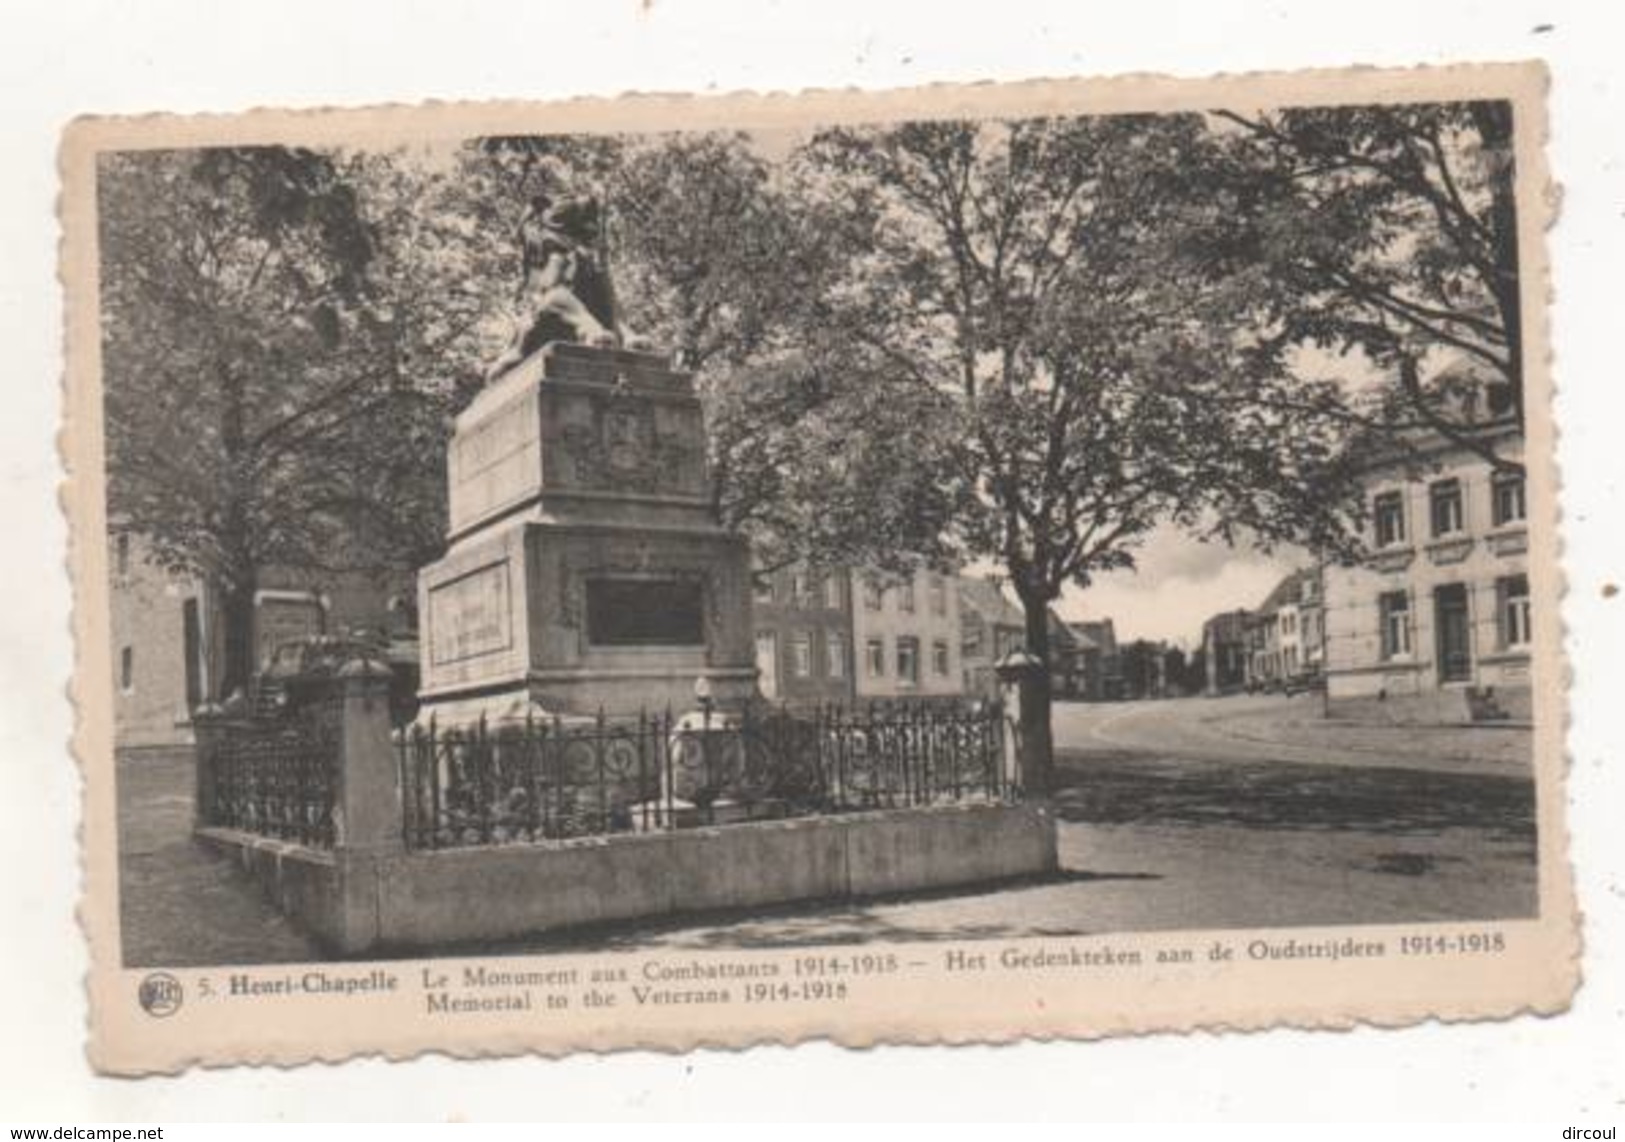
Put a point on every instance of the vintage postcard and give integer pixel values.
(961, 564)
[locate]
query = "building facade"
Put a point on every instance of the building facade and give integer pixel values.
(990, 627)
(168, 639)
(1068, 660)
(1100, 660)
(1145, 670)
(1434, 624)
(1284, 632)
(1225, 652)
(165, 647)
(803, 624)
(906, 636)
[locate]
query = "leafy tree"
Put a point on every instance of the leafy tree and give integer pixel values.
(1391, 231)
(1037, 284)
(258, 403)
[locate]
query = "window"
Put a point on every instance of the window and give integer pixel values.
(875, 657)
(1507, 501)
(908, 661)
(1514, 594)
(832, 592)
(121, 547)
(905, 596)
(1395, 610)
(800, 588)
(764, 589)
(835, 654)
(1444, 505)
(801, 654)
(126, 669)
(871, 595)
(939, 595)
(972, 642)
(939, 659)
(1388, 513)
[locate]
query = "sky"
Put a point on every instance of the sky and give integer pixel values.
(1178, 585)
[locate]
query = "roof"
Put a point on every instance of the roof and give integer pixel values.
(988, 600)
(1288, 592)
(1095, 634)
(1083, 638)
(1060, 634)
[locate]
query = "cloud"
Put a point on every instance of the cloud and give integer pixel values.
(1178, 584)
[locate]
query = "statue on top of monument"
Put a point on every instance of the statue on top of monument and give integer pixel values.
(564, 287)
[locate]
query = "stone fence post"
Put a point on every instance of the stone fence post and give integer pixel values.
(367, 808)
(208, 729)
(367, 822)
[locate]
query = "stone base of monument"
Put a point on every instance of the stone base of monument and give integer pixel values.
(586, 569)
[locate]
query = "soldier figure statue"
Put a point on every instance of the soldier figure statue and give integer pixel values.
(564, 289)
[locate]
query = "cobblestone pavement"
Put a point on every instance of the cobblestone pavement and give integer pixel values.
(179, 905)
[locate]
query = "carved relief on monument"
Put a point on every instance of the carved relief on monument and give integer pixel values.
(625, 447)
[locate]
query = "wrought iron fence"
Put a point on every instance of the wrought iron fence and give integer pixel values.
(554, 780)
(276, 776)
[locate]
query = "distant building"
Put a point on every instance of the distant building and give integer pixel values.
(1224, 652)
(906, 636)
(990, 627)
(803, 624)
(1067, 660)
(1100, 659)
(168, 641)
(1145, 669)
(1435, 623)
(1284, 630)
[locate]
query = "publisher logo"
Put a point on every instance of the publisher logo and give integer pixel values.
(159, 994)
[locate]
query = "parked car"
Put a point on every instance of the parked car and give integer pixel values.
(298, 667)
(1304, 682)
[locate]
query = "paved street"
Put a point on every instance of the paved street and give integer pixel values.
(1235, 812)
(1273, 728)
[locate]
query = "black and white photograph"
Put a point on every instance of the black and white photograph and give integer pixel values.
(759, 564)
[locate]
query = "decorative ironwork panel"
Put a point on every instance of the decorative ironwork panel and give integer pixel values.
(552, 780)
(276, 777)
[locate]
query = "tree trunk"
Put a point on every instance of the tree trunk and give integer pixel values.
(239, 572)
(237, 626)
(1037, 744)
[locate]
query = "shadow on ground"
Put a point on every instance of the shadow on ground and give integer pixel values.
(1125, 788)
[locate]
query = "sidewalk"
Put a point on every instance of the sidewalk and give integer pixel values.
(178, 905)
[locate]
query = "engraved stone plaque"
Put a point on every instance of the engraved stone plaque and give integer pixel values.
(471, 615)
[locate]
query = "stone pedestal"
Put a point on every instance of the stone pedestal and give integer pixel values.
(586, 568)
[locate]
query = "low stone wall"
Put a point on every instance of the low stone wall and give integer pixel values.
(357, 903)
(303, 882)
